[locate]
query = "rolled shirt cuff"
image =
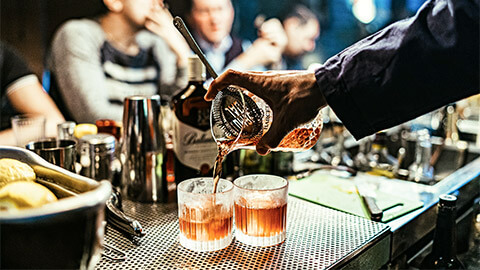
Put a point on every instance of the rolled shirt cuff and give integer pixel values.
(342, 103)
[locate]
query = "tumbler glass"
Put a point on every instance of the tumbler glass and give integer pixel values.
(205, 218)
(239, 119)
(27, 128)
(260, 209)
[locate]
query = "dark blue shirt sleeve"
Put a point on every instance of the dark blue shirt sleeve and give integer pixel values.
(407, 69)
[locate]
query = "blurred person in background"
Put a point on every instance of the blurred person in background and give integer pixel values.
(131, 48)
(211, 23)
(22, 93)
(302, 29)
(407, 69)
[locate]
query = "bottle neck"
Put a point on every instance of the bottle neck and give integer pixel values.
(444, 242)
(195, 74)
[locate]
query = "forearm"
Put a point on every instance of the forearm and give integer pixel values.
(36, 95)
(408, 69)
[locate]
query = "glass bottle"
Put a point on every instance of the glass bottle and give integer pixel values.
(193, 145)
(421, 170)
(443, 255)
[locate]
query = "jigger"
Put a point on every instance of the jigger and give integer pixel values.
(142, 150)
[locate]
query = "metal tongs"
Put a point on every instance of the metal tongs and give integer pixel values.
(117, 218)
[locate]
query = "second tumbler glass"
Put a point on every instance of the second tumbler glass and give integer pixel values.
(260, 209)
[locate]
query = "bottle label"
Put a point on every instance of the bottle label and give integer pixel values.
(193, 147)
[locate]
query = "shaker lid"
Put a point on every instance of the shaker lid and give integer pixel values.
(99, 139)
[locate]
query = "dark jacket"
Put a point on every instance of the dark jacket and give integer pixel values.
(407, 69)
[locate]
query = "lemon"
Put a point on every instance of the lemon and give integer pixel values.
(84, 129)
(13, 170)
(23, 194)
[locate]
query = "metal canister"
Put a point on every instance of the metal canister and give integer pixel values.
(142, 150)
(98, 156)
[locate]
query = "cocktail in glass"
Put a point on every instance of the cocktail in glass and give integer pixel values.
(260, 209)
(205, 218)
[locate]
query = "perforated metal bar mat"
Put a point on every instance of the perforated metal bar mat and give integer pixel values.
(317, 238)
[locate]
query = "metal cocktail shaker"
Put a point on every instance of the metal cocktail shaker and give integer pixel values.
(98, 156)
(142, 150)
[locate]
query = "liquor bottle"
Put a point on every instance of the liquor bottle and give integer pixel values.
(193, 145)
(443, 255)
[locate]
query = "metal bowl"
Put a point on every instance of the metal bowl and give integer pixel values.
(67, 234)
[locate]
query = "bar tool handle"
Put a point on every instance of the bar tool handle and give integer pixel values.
(117, 219)
(182, 28)
(375, 212)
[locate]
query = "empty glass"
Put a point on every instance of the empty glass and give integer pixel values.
(27, 128)
(260, 209)
(205, 218)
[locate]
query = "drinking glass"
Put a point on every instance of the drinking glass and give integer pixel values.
(66, 130)
(239, 119)
(260, 209)
(27, 128)
(205, 218)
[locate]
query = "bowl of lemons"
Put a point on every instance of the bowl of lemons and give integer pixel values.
(49, 217)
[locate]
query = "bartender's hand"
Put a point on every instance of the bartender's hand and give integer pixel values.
(294, 97)
(160, 22)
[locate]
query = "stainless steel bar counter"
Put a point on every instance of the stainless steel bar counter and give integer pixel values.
(317, 238)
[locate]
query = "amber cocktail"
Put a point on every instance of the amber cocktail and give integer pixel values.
(205, 218)
(260, 209)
